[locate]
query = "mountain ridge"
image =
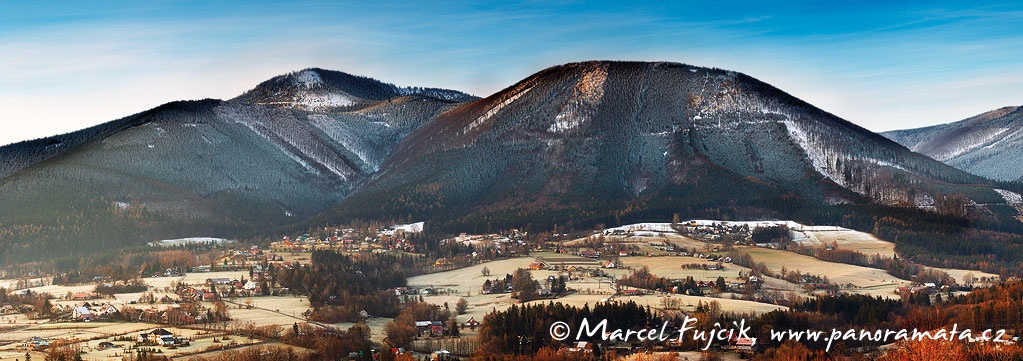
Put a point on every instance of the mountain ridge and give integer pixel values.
(619, 129)
(988, 144)
(579, 143)
(316, 89)
(212, 167)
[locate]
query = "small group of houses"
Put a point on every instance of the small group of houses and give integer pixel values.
(717, 230)
(430, 328)
(9, 309)
(497, 285)
(226, 287)
(86, 311)
(491, 241)
(707, 284)
(392, 238)
(197, 294)
(926, 287)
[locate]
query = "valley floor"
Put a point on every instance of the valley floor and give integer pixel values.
(450, 286)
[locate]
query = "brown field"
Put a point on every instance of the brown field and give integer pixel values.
(671, 267)
(861, 242)
(273, 310)
(565, 259)
(869, 245)
(866, 280)
(466, 283)
(679, 240)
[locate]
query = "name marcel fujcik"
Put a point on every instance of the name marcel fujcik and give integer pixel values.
(562, 331)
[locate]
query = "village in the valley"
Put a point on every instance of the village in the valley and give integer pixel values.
(231, 302)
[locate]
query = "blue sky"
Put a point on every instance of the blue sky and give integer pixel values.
(65, 65)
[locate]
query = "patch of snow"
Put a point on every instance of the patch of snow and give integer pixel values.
(150, 146)
(969, 144)
(650, 227)
(1014, 134)
(754, 224)
(658, 229)
(442, 94)
(824, 159)
(586, 96)
(346, 138)
(817, 158)
(409, 228)
(190, 240)
(122, 205)
(884, 163)
(1010, 197)
(307, 79)
(316, 102)
(923, 200)
(494, 110)
(288, 146)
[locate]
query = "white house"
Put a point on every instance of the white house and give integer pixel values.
(108, 310)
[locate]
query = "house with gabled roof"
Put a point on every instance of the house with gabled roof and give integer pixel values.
(36, 343)
(108, 310)
(82, 313)
(157, 336)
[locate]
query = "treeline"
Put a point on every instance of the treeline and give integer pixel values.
(130, 286)
(126, 264)
(92, 226)
(341, 286)
(859, 310)
(775, 234)
(997, 307)
(642, 278)
(503, 332)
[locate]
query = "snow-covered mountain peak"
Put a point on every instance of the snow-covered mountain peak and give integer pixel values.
(307, 79)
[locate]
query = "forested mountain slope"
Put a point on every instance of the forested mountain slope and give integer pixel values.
(989, 144)
(220, 168)
(596, 140)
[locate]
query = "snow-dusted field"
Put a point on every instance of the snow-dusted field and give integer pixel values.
(190, 240)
